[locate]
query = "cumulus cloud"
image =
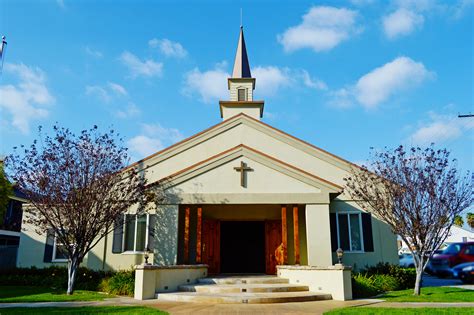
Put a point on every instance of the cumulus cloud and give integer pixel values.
(402, 22)
(153, 138)
(131, 110)
(28, 99)
(380, 84)
(270, 79)
(312, 82)
(146, 68)
(321, 29)
(168, 47)
(440, 128)
(210, 85)
(107, 92)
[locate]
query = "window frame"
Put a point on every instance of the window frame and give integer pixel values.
(53, 257)
(124, 240)
(347, 215)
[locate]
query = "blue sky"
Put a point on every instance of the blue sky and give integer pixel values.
(343, 75)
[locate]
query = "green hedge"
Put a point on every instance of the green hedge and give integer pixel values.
(121, 283)
(382, 278)
(54, 277)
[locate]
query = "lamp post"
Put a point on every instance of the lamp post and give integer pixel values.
(339, 253)
(147, 255)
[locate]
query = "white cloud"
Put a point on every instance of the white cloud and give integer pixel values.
(322, 28)
(402, 22)
(93, 53)
(440, 128)
(131, 110)
(154, 137)
(313, 83)
(270, 79)
(380, 84)
(210, 85)
(25, 101)
(106, 93)
(146, 68)
(61, 4)
(168, 47)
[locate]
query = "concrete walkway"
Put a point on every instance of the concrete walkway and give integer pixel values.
(422, 304)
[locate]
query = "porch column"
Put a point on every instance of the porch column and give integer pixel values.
(284, 235)
(187, 214)
(165, 246)
(318, 235)
(199, 235)
(296, 235)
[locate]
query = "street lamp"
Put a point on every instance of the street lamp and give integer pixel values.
(147, 255)
(339, 253)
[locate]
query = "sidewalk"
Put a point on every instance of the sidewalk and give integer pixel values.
(422, 304)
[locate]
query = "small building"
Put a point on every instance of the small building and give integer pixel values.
(240, 197)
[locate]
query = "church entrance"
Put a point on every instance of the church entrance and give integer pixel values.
(242, 247)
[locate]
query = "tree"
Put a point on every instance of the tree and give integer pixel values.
(78, 187)
(418, 193)
(6, 191)
(458, 220)
(470, 219)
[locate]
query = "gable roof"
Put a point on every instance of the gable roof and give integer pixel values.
(251, 153)
(242, 118)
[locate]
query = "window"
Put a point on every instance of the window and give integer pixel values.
(135, 230)
(241, 95)
(59, 251)
(349, 232)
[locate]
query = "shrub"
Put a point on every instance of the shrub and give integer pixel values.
(121, 283)
(54, 276)
(405, 276)
(363, 286)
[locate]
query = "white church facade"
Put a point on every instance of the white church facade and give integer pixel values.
(240, 197)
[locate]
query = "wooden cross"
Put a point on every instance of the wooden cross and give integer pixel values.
(242, 169)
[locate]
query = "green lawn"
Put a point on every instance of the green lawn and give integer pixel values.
(11, 294)
(129, 310)
(401, 311)
(431, 294)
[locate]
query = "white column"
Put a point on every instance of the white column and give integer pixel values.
(166, 235)
(318, 235)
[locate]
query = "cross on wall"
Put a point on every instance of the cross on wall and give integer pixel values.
(243, 168)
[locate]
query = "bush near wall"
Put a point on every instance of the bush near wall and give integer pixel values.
(382, 278)
(55, 277)
(121, 283)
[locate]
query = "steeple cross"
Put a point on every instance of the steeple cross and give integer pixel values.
(242, 169)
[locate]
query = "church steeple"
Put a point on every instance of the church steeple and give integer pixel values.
(241, 63)
(241, 86)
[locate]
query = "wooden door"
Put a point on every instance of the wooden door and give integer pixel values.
(211, 247)
(273, 246)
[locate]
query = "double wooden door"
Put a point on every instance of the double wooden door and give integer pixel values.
(211, 230)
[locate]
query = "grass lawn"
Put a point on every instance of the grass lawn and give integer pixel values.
(431, 294)
(401, 311)
(129, 310)
(11, 294)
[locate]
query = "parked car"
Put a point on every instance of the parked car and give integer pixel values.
(406, 260)
(464, 272)
(455, 254)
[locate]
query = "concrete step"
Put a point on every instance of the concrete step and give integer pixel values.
(251, 298)
(242, 280)
(242, 288)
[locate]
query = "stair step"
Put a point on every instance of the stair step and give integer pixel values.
(242, 280)
(274, 297)
(242, 288)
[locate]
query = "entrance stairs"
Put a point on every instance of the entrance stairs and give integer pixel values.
(243, 289)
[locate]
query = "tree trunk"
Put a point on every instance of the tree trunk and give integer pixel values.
(419, 275)
(72, 266)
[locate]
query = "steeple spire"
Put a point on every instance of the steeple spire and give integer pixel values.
(241, 63)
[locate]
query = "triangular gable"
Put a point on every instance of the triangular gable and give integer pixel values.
(275, 164)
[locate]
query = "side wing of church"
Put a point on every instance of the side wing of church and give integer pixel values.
(240, 197)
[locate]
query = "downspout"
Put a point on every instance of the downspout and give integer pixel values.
(105, 253)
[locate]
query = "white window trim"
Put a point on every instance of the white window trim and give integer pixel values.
(134, 251)
(347, 213)
(54, 259)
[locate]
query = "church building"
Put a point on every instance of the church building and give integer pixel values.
(240, 197)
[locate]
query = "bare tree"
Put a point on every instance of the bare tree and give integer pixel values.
(77, 186)
(418, 193)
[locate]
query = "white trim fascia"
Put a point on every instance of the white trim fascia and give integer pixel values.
(10, 233)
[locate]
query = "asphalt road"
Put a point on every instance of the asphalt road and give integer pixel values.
(432, 281)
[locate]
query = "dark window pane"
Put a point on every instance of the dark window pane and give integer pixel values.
(61, 252)
(343, 232)
(241, 95)
(129, 232)
(141, 233)
(356, 240)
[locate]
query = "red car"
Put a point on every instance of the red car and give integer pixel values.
(454, 254)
